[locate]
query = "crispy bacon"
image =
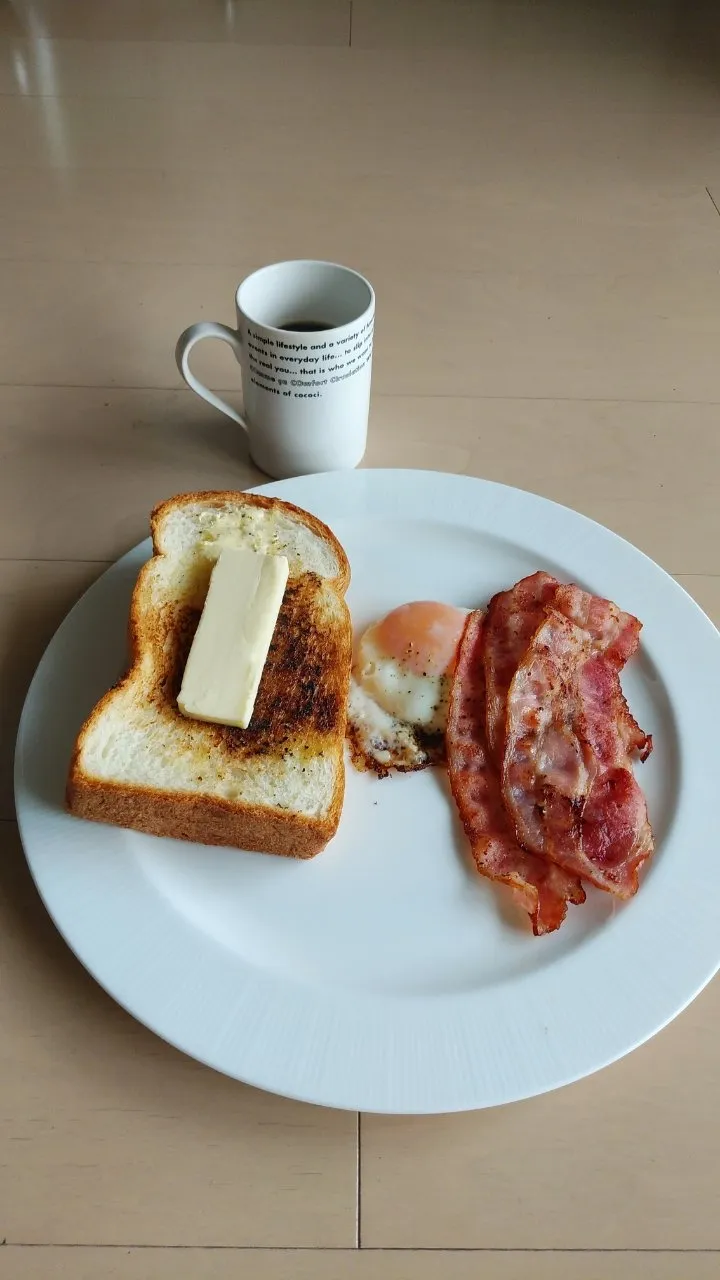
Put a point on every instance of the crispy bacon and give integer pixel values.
(511, 621)
(613, 632)
(541, 887)
(616, 834)
(566, 778)
(616, 635)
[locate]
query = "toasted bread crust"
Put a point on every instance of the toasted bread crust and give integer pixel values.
(204, 821)
(217, 498)
(315, 706)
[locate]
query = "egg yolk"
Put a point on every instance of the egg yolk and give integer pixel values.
(422, 636)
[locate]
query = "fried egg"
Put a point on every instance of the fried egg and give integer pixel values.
(400, 687)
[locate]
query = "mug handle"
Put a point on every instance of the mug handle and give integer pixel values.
(185, 344)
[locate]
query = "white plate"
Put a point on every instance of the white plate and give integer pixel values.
(384, 975)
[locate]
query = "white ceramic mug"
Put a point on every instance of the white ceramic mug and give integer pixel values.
(306, 390)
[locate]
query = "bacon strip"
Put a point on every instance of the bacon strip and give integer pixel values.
(616, 834)
(566, 778)
(614, 633)
(541, 887)
(511, 621)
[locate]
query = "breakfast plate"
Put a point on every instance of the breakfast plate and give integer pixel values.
(384, 975)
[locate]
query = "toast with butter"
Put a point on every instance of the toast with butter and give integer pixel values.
(277, 786)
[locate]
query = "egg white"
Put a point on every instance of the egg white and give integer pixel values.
(379, 740)
(416, 699)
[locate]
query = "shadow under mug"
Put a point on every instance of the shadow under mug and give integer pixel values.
(304, 341)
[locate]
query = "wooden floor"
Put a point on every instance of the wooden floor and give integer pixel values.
(533, 189)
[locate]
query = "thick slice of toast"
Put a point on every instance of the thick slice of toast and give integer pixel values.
(277, 786)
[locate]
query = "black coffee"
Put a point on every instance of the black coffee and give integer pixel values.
(305, 326)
